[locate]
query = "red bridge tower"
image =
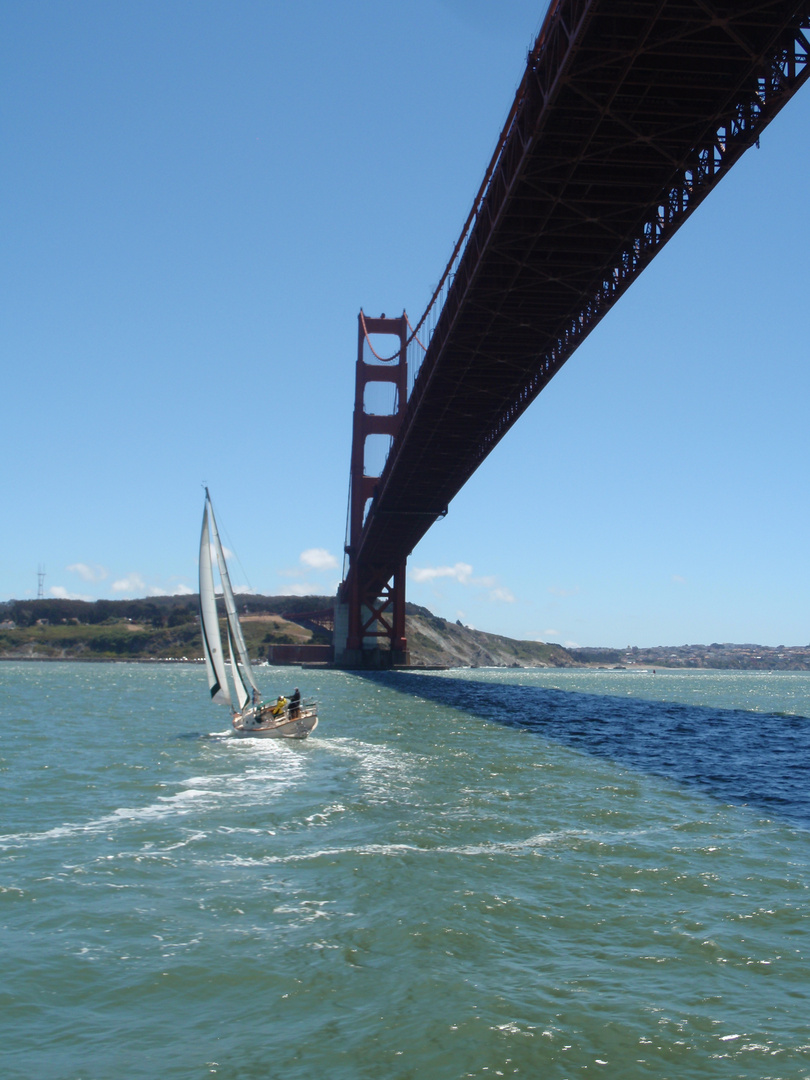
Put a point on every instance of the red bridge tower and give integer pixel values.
(370, 622)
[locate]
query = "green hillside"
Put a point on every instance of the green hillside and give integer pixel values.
(161, 628)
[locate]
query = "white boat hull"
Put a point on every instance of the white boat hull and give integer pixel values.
(286, 727)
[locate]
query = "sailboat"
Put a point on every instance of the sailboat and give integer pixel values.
(293, 719)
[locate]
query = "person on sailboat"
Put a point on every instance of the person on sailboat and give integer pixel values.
(279, 706)
(295, 703)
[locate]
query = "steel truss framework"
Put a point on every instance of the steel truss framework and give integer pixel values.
(629, 114)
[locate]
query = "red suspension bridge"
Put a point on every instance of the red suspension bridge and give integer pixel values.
(629, 113)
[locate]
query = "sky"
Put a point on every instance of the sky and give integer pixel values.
(196, 200)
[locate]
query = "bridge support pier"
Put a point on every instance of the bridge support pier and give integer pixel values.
(370, 632)
(369, 616)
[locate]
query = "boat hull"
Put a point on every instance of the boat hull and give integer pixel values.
(287, 728)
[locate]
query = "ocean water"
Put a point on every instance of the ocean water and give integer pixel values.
(482, 873)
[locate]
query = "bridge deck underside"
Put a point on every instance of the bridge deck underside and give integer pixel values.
(603, 162)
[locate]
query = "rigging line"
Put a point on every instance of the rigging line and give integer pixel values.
(235, 555)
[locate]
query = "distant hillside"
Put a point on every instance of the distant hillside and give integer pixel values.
(435, 641)
(714, 656)
(167, 628)
(159, 628)
(156, 610)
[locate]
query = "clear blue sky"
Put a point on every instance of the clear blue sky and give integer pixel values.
(197, 199)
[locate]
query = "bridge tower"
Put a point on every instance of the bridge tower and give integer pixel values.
(370, 621)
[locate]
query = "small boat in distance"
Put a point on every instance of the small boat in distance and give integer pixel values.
(293, 719)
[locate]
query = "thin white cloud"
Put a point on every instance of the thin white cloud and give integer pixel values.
(169, 590)
(88, 571)
(461, 572)
(678, 580)
(130, 583)
(304, 588)
(556, 590)
(313, 560)
(225, 551)
(61, 593)
(318, 559)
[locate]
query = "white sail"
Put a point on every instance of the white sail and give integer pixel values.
(237, 689)
(209, 620)
(234, 628)
(242, 692)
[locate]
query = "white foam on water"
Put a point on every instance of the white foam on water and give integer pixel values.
(396, 850)
(378, 770)
(269, 772)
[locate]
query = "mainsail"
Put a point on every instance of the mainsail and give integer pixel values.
(212, 639)
(209, 620)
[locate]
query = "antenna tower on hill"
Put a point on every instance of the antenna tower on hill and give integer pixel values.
(40, 582)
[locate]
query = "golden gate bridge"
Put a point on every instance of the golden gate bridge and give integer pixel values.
(628, 114)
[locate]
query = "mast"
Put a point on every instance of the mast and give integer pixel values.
(209, 620)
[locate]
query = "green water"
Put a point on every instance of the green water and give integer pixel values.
(416, 891)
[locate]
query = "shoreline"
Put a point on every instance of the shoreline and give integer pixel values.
(630, 669)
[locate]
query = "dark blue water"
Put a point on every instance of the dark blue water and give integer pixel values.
(759, 759)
